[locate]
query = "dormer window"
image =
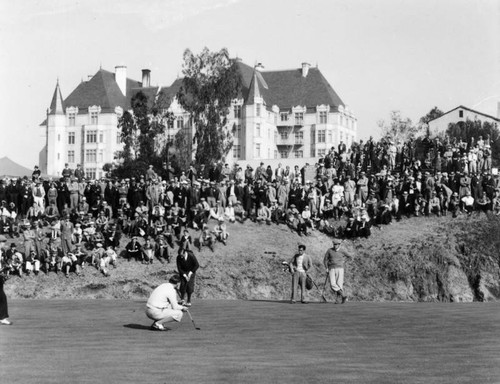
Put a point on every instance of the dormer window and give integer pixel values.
(284, 116)
(72, 119)
(94, 118)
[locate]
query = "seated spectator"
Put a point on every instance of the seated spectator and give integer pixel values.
(206, 238)
(483, 203)
(229, 213)
(434, 204)
(221, 232)
(468, 203)
(161, 250)
(133, 249)
(263, 214)
(147, 252)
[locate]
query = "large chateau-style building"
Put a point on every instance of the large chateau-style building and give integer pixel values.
(283, 115)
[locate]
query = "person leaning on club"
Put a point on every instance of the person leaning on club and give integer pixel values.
(299, 265)
(162, 305)
(334, 264)
(187, 265)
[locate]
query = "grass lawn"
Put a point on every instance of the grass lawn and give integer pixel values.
(109, 341)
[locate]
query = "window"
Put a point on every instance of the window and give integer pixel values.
(321, 136)
(71, 156)
(101, 137)
(72, 119)
(275, 154)
(118, 137)
(91, 155)
(237, 111)
(299, 118)
(180, 122)
(284, 135)
(71, 137)
(58, 137)
(58, 156)
(460, 114)
(284, 116)
(321, 152)
(298, 154)
(91, 136)
(94, 118)
(90, 173)
(257, 110)
(236, 151)
(257, 130)
(323, 117)
(101, 156)
(329, 136)
(275, 136)
(283, 154)
(238, 132)
(268, 153)
(170, 124)
(170, 138)
(257, 150)
(299, 137)
(269, 133)
(341, 136)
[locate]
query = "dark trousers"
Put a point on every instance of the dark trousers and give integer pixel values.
(187, 287)
(4, 312)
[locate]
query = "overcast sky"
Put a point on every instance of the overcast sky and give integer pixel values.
(378, 55)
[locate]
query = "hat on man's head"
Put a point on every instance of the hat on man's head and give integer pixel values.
(337, 241)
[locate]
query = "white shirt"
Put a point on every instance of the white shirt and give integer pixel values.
(164, 296)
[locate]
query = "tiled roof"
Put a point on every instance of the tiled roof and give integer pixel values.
(288, 88)
(101, 90)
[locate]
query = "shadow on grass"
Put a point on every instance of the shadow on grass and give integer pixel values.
(138, 326)
(284, 301)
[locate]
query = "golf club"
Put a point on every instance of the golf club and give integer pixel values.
(191, 317)
(322, 293)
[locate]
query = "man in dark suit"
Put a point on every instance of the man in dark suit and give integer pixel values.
(187, 265)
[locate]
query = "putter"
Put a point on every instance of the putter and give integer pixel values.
(191, 317)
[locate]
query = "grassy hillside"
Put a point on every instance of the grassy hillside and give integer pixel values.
(418, 259)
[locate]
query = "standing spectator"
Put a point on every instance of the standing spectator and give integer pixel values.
(4, 310)
(299, 265)
(187, 265)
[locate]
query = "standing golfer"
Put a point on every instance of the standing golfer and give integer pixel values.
(334, 264)
(162, 305)
(299, 265)
(187, 265)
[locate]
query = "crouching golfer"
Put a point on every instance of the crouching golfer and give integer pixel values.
(334, 264)
(162, 305)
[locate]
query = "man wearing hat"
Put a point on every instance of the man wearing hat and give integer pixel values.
(299, 265)
(334, 261)
(133, 249)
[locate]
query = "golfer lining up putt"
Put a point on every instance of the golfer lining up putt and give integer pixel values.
(162, 305)
(334, 264)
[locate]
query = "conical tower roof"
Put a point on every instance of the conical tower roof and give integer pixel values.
(57, 104)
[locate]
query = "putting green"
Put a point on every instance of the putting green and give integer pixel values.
(109, 341)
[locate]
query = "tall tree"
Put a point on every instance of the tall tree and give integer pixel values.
(398, 128)
(143, 132)
(434, 113)
(211, 81)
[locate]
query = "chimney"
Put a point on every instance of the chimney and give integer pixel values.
(146, 78)
(121, 78)
(259, 67)
(305, 69)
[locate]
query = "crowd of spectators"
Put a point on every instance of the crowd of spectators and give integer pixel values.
(67, 224)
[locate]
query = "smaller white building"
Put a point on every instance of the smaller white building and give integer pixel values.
(459, 114)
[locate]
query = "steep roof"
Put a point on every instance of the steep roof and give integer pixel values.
(101, 90)
(467, 109)
(288, 88)
(57, 104)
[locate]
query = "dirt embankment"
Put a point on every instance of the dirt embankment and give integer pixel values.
(418, 259)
